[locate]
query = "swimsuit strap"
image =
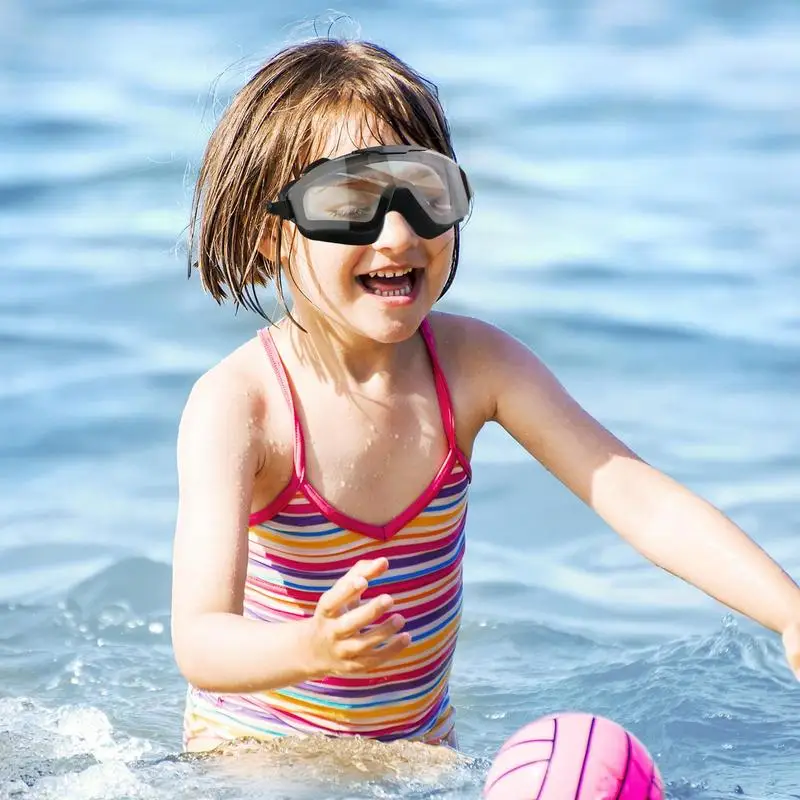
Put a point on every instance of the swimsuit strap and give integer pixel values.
(442, 391)
(283, 379)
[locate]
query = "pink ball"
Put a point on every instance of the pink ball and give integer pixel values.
(573, 756)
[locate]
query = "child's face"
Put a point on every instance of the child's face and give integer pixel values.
(332, 280)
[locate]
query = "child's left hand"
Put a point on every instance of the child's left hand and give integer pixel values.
(791, 644)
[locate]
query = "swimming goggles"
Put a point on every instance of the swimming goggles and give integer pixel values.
(345, 200)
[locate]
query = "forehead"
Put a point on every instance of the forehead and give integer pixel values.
(356, 131)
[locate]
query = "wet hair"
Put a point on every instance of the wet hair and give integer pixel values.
(276, 125)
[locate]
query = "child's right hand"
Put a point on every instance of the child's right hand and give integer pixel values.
(339, 643)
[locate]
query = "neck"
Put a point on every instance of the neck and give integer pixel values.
(338, 353)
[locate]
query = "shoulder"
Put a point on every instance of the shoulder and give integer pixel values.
(227, 405)
(470, 342)
(486, 359)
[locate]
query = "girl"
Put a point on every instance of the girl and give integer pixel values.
(324, 466)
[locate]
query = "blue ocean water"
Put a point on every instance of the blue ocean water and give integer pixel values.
(637, 176)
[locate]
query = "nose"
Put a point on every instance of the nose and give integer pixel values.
(396, 233)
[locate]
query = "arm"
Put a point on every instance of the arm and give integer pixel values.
(668, 524)
(216, 648)
(220, 451)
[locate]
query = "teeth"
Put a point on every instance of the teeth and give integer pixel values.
(394, 292)
(387, 273)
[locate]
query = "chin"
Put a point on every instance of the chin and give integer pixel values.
(394, 333)
(389, 321)
(391, 330)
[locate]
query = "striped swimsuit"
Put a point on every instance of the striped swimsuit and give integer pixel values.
(299, 546)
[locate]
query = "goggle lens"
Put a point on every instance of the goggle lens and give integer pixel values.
(353, 195)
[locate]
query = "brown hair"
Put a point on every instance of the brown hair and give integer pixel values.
(272, 129)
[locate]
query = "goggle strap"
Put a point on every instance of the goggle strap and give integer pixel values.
(281, 208)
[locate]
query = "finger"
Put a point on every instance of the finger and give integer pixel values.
(366, 663)
(346, 590)
(369, 568)
(380, 634)
(791, 643)
(390, 650)
(353, 621)
(350, 586)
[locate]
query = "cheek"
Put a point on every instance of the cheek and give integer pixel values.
(321, 264)
(440, 249)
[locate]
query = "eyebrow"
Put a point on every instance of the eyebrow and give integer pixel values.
(354, 182)
(414, 172)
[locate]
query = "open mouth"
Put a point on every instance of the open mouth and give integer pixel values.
(390, 283)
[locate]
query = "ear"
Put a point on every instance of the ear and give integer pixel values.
(269, 244)
(267, 247)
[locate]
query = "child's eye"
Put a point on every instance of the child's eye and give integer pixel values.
(350, 212)
(440, 205)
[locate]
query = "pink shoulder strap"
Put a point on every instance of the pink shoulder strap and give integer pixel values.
(283, 380)
(442, 391)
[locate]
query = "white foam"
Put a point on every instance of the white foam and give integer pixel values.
(39, 733)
